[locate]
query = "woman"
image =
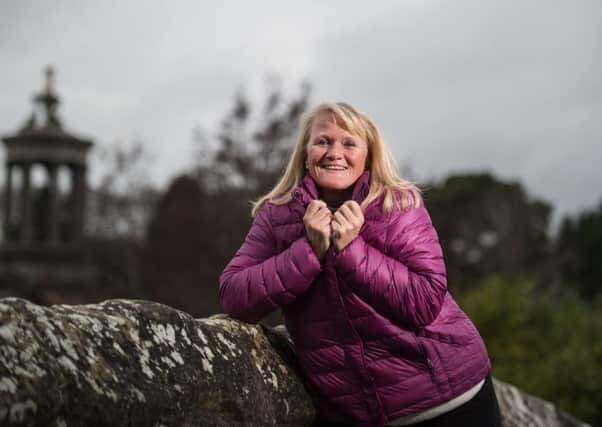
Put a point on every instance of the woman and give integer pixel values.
(346, 248)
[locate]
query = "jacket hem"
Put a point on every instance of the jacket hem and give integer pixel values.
(461, 388)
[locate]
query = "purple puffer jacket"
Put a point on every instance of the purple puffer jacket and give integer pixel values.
(375, 330)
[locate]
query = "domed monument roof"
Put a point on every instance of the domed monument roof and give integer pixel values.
(42, 137)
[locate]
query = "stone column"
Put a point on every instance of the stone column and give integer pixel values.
(26, 220)
(79, 206)
(8, 196)
(53, 200)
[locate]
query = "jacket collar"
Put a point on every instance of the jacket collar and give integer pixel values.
(308, 189)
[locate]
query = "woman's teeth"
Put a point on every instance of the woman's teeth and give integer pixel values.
(334, 168)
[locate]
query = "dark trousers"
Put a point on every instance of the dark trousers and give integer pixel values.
(480, 411)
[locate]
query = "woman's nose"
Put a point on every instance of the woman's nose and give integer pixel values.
(334, 151)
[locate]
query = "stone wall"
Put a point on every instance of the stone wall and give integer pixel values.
(138, 363)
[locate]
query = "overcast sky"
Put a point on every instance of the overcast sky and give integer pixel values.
(513, 87)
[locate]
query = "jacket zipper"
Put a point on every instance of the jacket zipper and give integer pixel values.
(362, 349)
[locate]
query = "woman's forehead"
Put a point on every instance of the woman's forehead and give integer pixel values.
(326, 119)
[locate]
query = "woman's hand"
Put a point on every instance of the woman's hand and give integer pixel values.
(317, 220)
(346, 224)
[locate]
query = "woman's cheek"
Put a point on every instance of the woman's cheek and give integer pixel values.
(314, 162)
(315, 171)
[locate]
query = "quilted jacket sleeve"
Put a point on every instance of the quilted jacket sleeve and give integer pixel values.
(408, 284)
(258, 280)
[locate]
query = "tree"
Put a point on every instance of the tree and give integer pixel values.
(119, 207)
(118, 212)
(176, 255)
(487, 226)
(251, 148)
(578, 249)
(548, 343)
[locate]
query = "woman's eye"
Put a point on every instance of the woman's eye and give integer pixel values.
(322, 141)
(349, 143)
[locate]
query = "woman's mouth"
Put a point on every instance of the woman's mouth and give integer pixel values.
(334, 167)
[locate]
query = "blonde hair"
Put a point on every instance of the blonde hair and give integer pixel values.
(384, 178)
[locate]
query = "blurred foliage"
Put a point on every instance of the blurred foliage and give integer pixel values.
(119, 208)
(488, 226)
(120, 205)
(174, 263)
(578, 248)
(251, 147)
(548, 343)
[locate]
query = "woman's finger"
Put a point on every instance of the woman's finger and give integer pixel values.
(323, 222)
(312, 208)
(325, 214)
(335, 232)
(316, 207)
(354, 207)
(353, 214)
(340, 218)
(319, 204)
(347, 213)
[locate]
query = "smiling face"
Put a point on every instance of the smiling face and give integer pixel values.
(335, 159)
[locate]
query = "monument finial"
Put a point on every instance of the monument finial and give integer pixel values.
(48, 101)
(49, 79)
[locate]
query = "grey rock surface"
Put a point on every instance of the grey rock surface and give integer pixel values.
(138, 363)
(520, 409)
